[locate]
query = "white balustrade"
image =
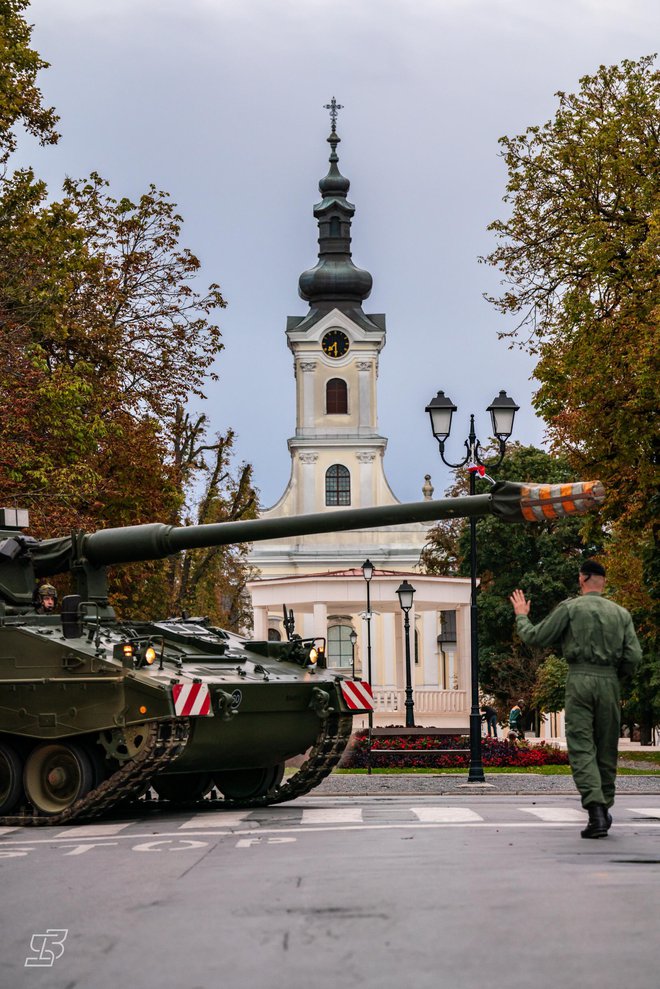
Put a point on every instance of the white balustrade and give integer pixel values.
(426, 701)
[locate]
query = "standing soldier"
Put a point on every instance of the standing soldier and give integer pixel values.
(598, 641)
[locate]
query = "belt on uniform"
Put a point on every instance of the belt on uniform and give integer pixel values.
(593, 669)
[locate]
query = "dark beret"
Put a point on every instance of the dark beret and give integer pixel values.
(591, 568)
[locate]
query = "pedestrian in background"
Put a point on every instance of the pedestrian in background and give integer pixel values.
(489, 715)
(598, 641)
(516, 719)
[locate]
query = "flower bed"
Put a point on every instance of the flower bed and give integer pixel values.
(494, 752)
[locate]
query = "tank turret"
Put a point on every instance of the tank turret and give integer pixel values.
(95, 711)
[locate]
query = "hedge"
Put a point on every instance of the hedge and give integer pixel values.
(494, 752)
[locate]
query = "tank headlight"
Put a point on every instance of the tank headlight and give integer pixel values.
(147, 656)
(313, 656)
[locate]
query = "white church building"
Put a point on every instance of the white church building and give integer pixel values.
(337, 461)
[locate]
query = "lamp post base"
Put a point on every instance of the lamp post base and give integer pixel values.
(476, 771)
(410, 713)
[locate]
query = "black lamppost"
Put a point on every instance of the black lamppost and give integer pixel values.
(353, 638)
(405, 592)
(367, 573)
(502, 411)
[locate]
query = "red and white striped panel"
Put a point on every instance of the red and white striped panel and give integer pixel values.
(192, 699)
(358, 695)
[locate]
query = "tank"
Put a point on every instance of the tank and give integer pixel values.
(95, 711)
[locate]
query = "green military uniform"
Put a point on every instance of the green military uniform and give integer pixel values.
(598, 641)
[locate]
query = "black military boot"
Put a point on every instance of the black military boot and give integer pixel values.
(597, 825)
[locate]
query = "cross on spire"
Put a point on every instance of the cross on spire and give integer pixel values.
(334, 109)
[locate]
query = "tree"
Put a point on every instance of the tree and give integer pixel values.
(104, 338)
(550, 685)
(212, 581)
(541, 558)
(580, 258)
(20, 99)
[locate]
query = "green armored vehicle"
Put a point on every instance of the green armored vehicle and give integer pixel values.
(94, 710)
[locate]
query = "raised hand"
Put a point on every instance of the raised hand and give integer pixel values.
(520, 604)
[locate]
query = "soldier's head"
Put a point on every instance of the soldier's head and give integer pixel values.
(591, 576)
(46, 598)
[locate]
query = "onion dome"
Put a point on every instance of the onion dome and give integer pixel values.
(334, 279)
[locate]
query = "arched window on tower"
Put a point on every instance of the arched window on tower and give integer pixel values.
(337, 485)
(334, 226)
(336, 397)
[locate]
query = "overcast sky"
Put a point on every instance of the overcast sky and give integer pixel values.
(220, 102)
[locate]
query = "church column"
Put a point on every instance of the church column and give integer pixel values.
(367, 494)
(261, 623)
(463, 649)
(321, 619)
(307, 383)
(308, 478)
(430, 640)
(365, 412)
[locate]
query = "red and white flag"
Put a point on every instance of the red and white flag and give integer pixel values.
(191, 699)
(358, 695)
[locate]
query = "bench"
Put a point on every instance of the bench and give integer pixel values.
(415, 732)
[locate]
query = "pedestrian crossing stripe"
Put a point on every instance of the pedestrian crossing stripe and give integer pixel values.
(332, 815)
(304, 819)
(555, 814)
(93, 830)
(446, 815)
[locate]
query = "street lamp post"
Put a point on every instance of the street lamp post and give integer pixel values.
(502, 411)
(367, 573)
(405, 592)
(353, 638)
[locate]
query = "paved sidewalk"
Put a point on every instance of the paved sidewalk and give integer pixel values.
(360, 784)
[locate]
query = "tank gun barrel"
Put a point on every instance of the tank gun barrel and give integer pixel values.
(508, 501)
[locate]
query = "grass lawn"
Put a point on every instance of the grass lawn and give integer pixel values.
(533, 770)
(637, 756)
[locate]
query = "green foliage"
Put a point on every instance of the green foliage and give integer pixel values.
(20, 99)
(580, 254)
(541, 558)
(550, 685)
(104, 339)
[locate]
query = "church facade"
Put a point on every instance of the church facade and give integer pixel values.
(337, 461)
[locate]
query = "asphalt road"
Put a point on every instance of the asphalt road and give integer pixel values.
(459, 891)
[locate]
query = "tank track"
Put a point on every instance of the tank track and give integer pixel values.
(324, 756)
(166, 740)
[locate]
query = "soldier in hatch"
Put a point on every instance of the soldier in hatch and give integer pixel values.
(599, 643)
(45, 599)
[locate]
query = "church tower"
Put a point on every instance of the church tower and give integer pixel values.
(337, 451)
(337, 462)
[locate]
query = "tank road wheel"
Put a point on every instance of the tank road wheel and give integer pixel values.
(56, 776)
(124, 743)
(246, 784)
(11, 779)
(182, 787)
